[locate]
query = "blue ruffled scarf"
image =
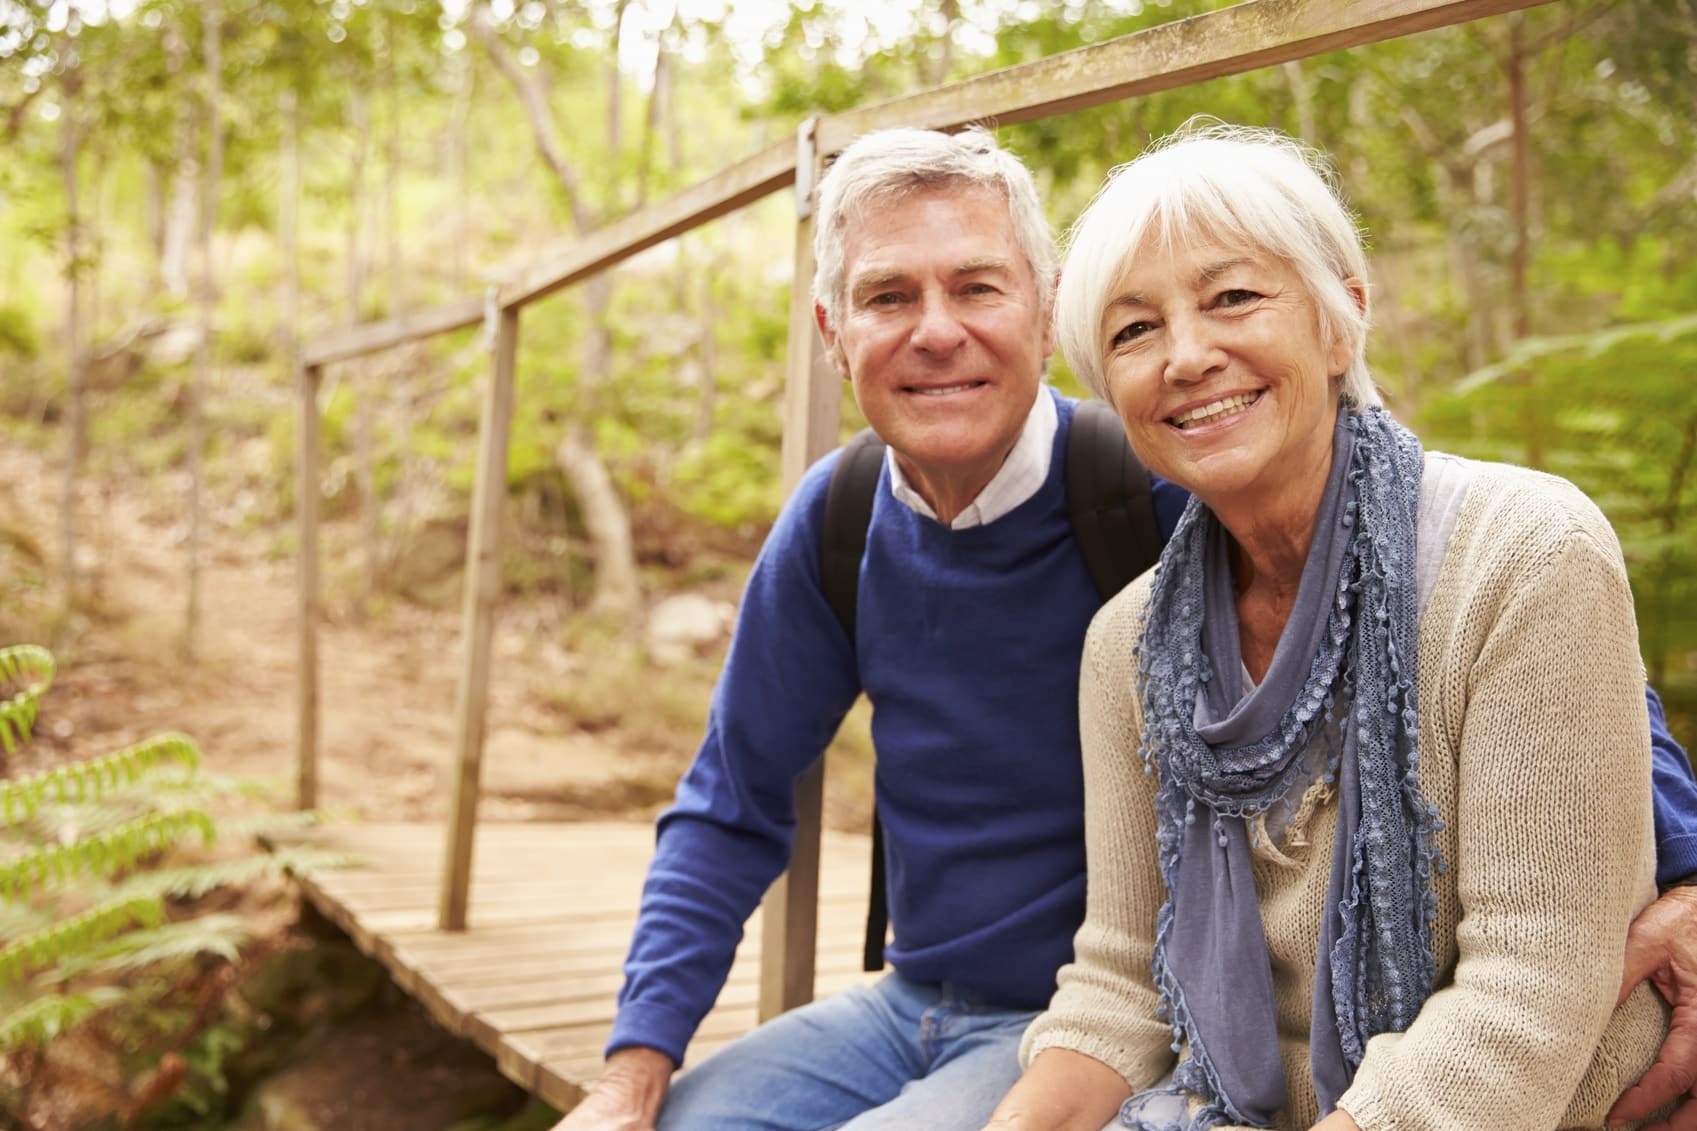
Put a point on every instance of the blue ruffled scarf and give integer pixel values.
(1227, 754)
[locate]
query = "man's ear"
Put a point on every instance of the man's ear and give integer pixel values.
(833, 352)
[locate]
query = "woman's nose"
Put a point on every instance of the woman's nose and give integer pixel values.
(1193, 352)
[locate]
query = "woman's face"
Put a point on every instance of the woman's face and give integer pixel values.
(1215, 361)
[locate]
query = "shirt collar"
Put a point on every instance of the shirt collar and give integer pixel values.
(1019, 477)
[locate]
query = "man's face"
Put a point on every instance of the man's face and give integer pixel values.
(941, 334)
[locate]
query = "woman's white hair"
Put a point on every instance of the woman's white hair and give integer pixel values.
(879, 169)
(1244, 187)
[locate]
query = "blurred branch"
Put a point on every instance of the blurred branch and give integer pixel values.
(1593, 343)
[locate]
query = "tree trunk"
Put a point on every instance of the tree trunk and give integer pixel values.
(212, 22)
(1514, 63)
(707, 395)
(607, 523)
(288, 227)
(70, 145)
(178, 232)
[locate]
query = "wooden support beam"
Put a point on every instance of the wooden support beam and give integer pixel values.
(728, 190)
(812, 418)
(308, 379)
(371, 337)
(482, 586)
(1258, 33)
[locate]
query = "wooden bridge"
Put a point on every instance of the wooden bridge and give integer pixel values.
(532, 977)
(521, 953)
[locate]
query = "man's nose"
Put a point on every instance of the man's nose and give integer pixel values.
(939, 329)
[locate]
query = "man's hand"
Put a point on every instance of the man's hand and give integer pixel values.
(628, 1095)
(1662, 946)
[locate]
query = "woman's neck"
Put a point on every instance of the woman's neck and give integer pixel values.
(1270, 541)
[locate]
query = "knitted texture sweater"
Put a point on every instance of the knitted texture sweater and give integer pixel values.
(1534, 748)
(967, 646)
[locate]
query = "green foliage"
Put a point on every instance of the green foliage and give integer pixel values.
(101, 939)
(17, 333)
(91, 780)
(31, 667)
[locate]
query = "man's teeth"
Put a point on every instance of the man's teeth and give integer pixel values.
(944, 390)
(1209, 411)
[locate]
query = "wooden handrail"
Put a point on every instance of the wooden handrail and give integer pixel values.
(771, 169)
(1258, 33)
(372, 337)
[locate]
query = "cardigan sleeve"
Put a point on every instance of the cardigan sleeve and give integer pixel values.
(1553, 827)
(1104, 1006)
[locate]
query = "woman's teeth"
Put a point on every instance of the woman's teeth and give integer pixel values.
(1209, 411)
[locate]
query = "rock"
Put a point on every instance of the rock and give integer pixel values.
(686, 625)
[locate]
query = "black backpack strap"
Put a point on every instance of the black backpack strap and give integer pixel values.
(1109, 500)
(848, 512)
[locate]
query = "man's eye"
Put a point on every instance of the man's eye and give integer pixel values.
(1130, 333)
(979, 289)
(887, 298)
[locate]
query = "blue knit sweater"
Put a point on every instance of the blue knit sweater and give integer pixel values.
(968, 645)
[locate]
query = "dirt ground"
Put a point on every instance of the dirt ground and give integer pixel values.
(387, 694)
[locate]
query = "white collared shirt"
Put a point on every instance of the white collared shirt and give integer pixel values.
(1019, 477)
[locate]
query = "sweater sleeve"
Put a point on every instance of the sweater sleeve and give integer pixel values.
(788, 679)
(1675, 800)
(1552, 828)
(1104, 1006)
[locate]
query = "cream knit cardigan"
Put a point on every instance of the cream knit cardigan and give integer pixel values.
(1534, 747)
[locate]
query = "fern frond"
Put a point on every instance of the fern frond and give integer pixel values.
(219, 935)
(103, 854)
(255, 825)
(17, 919)
(51, 945)
(40, 1020)
(33, 668)
(197, 880)
(88, 781)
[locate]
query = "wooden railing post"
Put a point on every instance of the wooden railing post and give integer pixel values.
(306, 589)
(482, 585)
(812, 416)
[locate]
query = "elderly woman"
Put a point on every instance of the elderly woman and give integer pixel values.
(1368, 792)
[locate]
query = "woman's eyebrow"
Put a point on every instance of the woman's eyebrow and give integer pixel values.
(1213, 271)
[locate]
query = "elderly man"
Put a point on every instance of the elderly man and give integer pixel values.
(935, 276)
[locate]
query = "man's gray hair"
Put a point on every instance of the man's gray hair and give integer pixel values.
(1251, 188)
(881, 168)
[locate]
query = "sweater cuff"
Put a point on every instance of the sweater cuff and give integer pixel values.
(646, 1025)
(1676, 861)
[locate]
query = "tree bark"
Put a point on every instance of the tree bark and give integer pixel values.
(1514, 64)
(70, 147)
(605, 516)
(607, 523)
(212, 27)
(178, 232)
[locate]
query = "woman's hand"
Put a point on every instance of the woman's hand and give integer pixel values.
(1339, 1120)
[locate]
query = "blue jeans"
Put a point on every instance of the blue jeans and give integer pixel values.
(893, 1055)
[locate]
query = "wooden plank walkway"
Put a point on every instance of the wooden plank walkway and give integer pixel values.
(532, 979)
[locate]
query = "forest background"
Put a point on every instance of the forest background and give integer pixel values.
(191, 188)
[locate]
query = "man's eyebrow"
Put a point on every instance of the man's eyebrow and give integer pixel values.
(872, 280)
(984, 263)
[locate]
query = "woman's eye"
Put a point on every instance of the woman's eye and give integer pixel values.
(1236, 297)
(1130, 333)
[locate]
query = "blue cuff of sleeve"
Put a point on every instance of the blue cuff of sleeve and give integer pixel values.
(1676, 860)
(652, 1026)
